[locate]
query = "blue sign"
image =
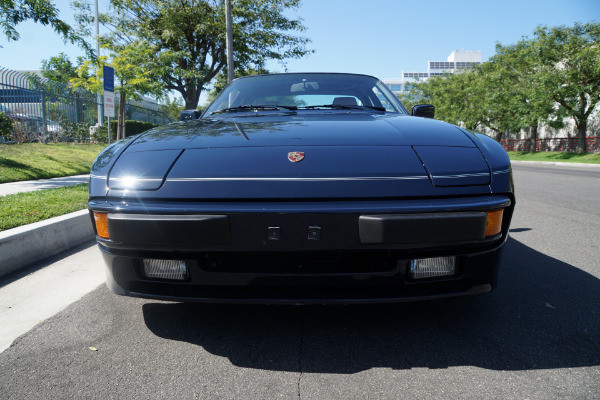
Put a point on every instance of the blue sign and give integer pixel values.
(109, 78)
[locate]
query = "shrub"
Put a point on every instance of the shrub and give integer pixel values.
(131, 128)
(75, 132)
(6, 126)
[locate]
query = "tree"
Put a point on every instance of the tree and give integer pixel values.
(13, 12)
(568, 69)
(498, 95)
(458, 98)
(539, 81)
(60, 69)
(474, 98)
(516, 98)
(411, 98)
(172, 108)
(132, 80)
(187, 38)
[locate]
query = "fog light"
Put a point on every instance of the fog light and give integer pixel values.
(165, 269)
(432, 267)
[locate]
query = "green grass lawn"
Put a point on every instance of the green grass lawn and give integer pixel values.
(28, 161)
(27, 208)
(555, 156)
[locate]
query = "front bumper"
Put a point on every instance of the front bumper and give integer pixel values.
(477, 274)
(304, 252)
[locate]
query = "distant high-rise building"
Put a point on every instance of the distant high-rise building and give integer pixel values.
(458, 60)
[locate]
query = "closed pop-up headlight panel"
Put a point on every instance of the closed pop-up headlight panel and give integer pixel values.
(454, 166)
(144, 170)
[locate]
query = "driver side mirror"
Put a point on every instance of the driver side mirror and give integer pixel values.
(423, 110)
(186, 115)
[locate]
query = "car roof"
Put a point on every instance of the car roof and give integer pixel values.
(307, 73)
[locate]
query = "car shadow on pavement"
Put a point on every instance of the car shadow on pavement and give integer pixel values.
(544, 314)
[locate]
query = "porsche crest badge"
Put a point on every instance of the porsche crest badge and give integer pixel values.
(296, 156)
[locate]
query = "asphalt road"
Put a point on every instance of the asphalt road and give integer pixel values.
(536, 337)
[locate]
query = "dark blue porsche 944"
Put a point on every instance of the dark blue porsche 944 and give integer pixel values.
(303, 188)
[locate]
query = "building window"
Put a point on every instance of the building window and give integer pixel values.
(416, 75)
(466, 65)
(441, 65)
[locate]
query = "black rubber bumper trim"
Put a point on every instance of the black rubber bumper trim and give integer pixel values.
(143, 228)
(422, 228)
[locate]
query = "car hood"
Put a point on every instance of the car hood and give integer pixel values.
(344, 156)
(309, 130)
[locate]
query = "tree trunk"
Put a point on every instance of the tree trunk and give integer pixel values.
(581, 131)
(192, 97)
(121, 117)
(497, 134)
(533, 133)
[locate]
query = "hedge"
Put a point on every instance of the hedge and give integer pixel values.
(132, 127)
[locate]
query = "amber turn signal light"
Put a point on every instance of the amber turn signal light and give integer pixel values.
(102, 224)
(494, 223)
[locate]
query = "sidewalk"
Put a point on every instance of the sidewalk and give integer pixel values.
(29, 244)
(30, 186)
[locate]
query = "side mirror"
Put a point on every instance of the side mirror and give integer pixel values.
(189, 114)
(423, 110)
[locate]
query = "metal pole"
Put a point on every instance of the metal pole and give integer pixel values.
(98, 99)
(229, 40)
(108, 130)
(44, 114)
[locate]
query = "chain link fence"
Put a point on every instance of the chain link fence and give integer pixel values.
(39, 110)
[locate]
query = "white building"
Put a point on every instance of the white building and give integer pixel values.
(457, 61)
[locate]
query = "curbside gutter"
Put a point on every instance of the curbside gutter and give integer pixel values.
(25, 245)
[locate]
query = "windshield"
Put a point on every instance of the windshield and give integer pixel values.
(305, 91)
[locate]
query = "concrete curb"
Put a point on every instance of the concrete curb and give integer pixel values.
(20, 247)
(556, 163)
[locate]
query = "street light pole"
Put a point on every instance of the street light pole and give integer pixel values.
(228, 40)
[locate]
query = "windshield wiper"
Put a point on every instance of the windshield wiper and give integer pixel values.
(342, 107)
(253, 107)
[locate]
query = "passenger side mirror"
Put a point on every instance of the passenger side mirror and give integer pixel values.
(423, 110)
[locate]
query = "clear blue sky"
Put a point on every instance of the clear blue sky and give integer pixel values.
(376, 37)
